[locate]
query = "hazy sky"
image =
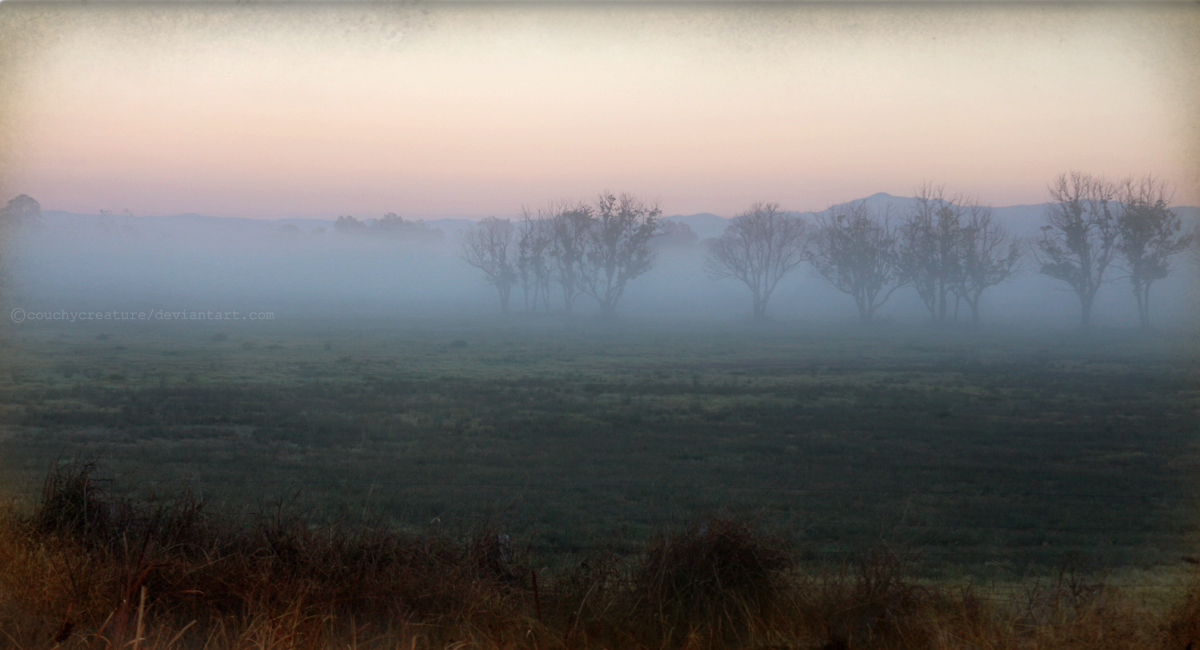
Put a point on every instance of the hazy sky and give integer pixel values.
(478, 109)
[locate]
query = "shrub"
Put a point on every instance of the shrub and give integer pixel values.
(719, 577)
(74, 504)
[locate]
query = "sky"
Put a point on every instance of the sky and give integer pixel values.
(479, 109)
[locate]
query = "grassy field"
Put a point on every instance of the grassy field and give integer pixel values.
(991, 454)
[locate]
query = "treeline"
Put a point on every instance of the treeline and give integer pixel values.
(593, 250)
(949, 249)
(389, 225)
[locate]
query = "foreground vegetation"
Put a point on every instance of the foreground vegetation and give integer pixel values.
(80, 570)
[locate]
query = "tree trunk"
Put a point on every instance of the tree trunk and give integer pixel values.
(941, 306)
(505, 292)
(1143, 296)
(760, 306)
(1085, 312)
(864, 312)
(607, 308)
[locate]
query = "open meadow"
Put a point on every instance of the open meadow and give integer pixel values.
(988, 454)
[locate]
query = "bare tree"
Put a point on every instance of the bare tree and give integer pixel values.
(1079, 239)
(988, 255)
(487, 246)
(930, 241)
(618, 247)
(856, 253)
(568, 249)
(1150, 235)
(534, 262)
(759, 247)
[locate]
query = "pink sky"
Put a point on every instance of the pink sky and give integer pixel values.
(476, 110)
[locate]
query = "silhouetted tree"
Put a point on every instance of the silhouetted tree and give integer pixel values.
(758, 248)
(673, 234)
(535, 263)
(395, 226)
(392, 224)
(21, 211)
(1150, 235)
(987, 256)
(19, 214)
(1079, 239)
(930, 242)
(856, 253)
(571, 225)
(487, 246)
(106, 224)
(618, 247)
(348, 225)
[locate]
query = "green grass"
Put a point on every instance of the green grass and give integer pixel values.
(991, 453)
